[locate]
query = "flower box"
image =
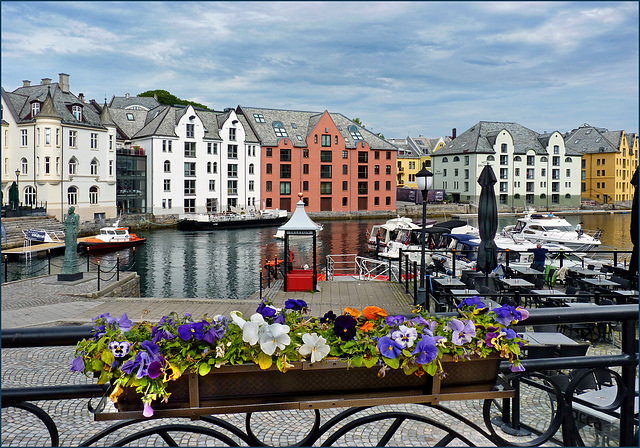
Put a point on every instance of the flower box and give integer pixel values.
(244, 388)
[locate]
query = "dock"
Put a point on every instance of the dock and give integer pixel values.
(38, 249)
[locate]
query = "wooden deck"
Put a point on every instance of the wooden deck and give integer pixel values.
(39, 248)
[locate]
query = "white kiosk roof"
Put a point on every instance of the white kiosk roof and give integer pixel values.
(299, 221)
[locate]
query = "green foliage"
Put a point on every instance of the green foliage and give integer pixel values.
(164, 97)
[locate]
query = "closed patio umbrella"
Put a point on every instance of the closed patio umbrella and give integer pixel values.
(14, 195)
(487, 221)
(633, 264)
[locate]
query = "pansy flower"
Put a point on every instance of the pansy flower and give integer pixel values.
(274, 336)
(195, 329)
(462, 332)
(314, 345)
(405, 336)
(389, 348)
(353, 312)
(345, 327)
(426, 347)
(328, 317)
(266, 310)
(77, 365)
(395, 320)
(374, 312)
(474, 301)
(367, 327)
(120, 349)
(296, 305)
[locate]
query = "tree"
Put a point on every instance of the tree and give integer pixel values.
(358, 122)
(164, 97)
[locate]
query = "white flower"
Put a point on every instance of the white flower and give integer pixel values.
(405, 336)
(251, 330)
(274, 336)
(314, 345)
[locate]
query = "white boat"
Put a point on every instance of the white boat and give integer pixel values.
(111, 238)
(535, 227)
(389, 231)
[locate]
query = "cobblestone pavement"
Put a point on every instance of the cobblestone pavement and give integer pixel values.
(43, 366)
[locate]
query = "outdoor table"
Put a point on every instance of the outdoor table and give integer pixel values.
(625, 296)
(536, 338)
(526, 270)
(603, 397)
(580, 304)
(465, 292)
(448, 282)
(516, 282)
(584, 272)
(601, 282)
(550, 296)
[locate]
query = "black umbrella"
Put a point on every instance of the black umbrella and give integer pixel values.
(487, 221)
(633, 264)
(14, 195)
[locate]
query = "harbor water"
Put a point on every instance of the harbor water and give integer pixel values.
(225, 264)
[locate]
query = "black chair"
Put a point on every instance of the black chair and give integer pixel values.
(570, 290)
(591, 267)
(561, 381)
(603, 377)
(545, 328)
(624, 283)
(573, 350)
(541, 351)
(539, 283)
(588, 382)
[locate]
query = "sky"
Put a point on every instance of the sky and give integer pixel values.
(402, 68)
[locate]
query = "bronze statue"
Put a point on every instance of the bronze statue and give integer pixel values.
(70, 263)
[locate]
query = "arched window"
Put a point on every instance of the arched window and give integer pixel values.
(517, 159)
(29, 195)
(72, 195)
(543, 196)
(215, 167)
(456, 159)
(24, 166)
(167, 166)
(279, 129)
(251, 169)
(516, 196)
(567, 159)
(567, 196)
(94, 167)
(491, 159)
(445, 159)
(93, 195)
(209, 167)
(73, 165)
(543, 159)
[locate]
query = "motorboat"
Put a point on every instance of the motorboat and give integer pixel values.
(549, 228)
(111, 238)
(389, 231)
(231, 220)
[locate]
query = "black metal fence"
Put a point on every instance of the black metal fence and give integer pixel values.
(500, 417)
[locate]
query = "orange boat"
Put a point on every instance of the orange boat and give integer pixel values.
(112, 238)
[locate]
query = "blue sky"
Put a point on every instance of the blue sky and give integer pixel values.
(403, 68)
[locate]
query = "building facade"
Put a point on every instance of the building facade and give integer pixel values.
(532, 170)
(57, 146)
(337, 165)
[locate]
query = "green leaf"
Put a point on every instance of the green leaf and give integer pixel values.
(107, 357)
(370, 362)
(431, 368)
(335, 351)
(204, 369)
(357, 360)
(97, 365)
(264, 361)
(394, 363)
(104, 377)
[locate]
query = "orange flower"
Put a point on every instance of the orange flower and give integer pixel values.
(374, 312)
(353, 312)
(366, 327)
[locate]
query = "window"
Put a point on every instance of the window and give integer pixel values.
(376, 155)
(110, 166)
(77, 112)
(530, 187)
(93, 195)
(555, 198)
(130, 117)
(456, 159)
(355, 133)
(259, 118)
(444, 172)
(503, 148)
(455, 172)
(504, 160)
(568, 172)
(305, 185)
(232, 134)
(251, 184)
(24, 140)
(72, 196)
(556, 160)
(269, 168)
(268, 186)
(190, 186)
(543, 172)
(305, 168)
(190, 130)
(530, 173)
(363, 172)
(232, 151)
(325, 171)
(212, 205)
(504, 173)
(29, 195)
(363, 156)
(376, 185)
(279, 129)
(189, 149)
(269, 152)
(503, 187)
(285, 171)
(325, 156)
(531, 160)
(345, 154)
(305, 153)
(363, 187)
(94, 167)
(388, 185)
(466, 160)
(556, 149)
(285, 155)
(445, 160)
(24, 166)
(325, 188)
(167, 185)
(209, 148)
(209, 166)
(326, 140)
(94, 140)
(251, 168)
(73, 165)
(110, 141)
(189, 169)
(336, 140)
(388, 169)
(315, 138)
(490, 159)
(35, 109)
(212, 185)
(345, 185)
(232, 170)
(466, 174)
(47, 136)
(166, 145)
(285, 187)
(190, 205)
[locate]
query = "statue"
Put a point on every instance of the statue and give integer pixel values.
(70, 270)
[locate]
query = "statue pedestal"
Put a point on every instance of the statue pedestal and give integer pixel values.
(70, 277)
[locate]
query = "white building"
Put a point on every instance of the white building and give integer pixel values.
(532, 170)
(196, 161)
(62, 151)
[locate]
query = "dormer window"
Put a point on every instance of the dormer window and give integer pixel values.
(279, 129)
(355, 133)
(77, 112)
(130, 117)
(35, 109)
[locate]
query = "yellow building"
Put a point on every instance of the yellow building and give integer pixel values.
(609, 160)
(414, 153)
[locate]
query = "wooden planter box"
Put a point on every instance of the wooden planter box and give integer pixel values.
(247, 388)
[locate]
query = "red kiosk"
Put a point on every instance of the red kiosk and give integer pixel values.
(299, 224)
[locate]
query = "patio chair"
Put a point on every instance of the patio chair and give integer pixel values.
(561, 381)
(573, 350)
(603, 377)
(541, 351)
(586, 382)
(551, 328)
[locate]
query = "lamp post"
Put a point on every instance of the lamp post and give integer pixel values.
(17, 188)
(424, 178)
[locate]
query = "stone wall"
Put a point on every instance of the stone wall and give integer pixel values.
(128, 286)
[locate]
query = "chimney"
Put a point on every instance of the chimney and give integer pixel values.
(26, 83)
(46, 81)
(453, 134)
(64, 82)
(126, 95)
(81, 97)
(155, 96)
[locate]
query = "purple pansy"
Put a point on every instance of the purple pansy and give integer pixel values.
(345, 327)
(148, 361)
(296, 305)
(266, 310)
(148, 410)
(120, 349)
(195, 329)
(489, 339)
(405, 336)
(517, 367)
(125, 323)
(158, 333)
(419, 320)
(77, 365)
(389, 348)
(507, 314)
(281, 319)
(395, 320)
(427, 349)
(329, 316)
(474, 301)
(462, 332)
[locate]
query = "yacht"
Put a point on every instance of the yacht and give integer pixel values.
(389, 231)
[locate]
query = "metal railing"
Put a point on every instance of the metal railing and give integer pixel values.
(497, 414)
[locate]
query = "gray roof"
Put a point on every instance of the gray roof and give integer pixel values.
(425, 145)
(123, 102)
(405, 151)
(299, 221)
(481, 137)
(302, 123)
(590, 140)
(23, 97)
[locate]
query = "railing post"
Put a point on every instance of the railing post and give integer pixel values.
(390, 268)
(98, 276)
(453, 262)
(415, 283)
(88, 270)
(5, 269)
(275, 268)
(400, 265)
(260, 283)
(118, 268)
(561, 256)
(506, 257)
(615, 258)
(49, 259)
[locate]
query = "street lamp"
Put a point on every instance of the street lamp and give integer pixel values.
(424, 178)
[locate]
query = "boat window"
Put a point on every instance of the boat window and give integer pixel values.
(121, 232)
(560, 228)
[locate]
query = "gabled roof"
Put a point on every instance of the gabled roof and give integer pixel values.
(124, 102)
(590, 140)
(48, 109)
(481, 137)
(302, 124)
